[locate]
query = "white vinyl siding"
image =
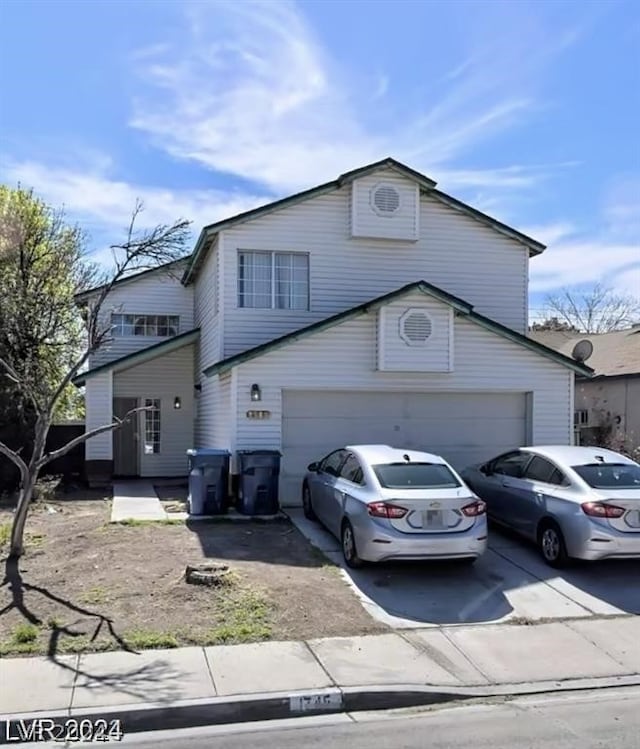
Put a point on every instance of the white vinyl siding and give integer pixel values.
(367, 221)
(154, 294)
(208, 313)
(454, 252)
(396, 355)
(99, 411)
(484, 363)
(163, 379)
(214, 426)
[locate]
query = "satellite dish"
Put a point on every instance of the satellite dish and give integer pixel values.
(582, 350)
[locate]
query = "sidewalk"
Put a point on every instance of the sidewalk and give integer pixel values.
(135, 500)
(237, 683)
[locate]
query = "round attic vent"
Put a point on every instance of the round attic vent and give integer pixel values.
(385, 200)
(415, 327)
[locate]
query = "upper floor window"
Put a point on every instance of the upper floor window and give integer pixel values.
(160, 326)
(273, 280)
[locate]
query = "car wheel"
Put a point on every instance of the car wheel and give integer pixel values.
(552, 545)
(307, 507)
(349, 550)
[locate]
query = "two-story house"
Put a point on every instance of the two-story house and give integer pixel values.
(374, 308)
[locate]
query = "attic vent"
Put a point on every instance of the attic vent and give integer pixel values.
(385, 200)
(415, 327)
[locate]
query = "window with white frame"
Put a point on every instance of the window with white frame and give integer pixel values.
(273, 280)
(158, 326)
(581, 417)
(151, 426)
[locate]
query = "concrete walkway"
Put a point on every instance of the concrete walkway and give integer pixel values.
(135, 500)
(235, 683)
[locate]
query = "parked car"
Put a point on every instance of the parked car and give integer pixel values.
(385, 503)
(574, 502)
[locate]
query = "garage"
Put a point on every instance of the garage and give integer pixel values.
(463, 427)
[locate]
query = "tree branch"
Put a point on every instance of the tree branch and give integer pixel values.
(48, 457)
(20, 382)
(73, 370)
(16, 460)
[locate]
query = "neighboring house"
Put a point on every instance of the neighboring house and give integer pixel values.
(607, 406)
(374, 308)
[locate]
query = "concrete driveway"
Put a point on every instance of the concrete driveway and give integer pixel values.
(509, 582)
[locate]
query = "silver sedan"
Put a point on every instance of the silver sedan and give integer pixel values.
(574, 502)
(384, 503)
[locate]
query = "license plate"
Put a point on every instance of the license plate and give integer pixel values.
(432, 519)
(633, 518)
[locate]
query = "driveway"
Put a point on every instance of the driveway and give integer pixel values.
(510, 582)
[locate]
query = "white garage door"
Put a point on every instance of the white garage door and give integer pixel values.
(464, 428)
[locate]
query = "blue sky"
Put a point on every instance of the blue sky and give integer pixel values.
(529, 111)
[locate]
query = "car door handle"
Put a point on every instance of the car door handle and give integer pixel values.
(507, 483)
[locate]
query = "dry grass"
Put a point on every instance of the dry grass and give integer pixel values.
(88, 585)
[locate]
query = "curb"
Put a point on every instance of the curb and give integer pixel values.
(272, 706)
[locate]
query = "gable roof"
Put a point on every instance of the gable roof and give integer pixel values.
(614, 354)
(165, 267)
(140, 356)
(426, 184)
(463, 308)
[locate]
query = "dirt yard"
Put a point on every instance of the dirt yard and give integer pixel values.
(86, 585)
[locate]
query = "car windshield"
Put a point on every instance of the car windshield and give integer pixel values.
(415, 476)
(610, 475)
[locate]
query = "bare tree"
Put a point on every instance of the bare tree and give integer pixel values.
(39, 253)
(597, 310)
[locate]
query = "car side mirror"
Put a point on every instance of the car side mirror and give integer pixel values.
(486, 469)
(313, 467)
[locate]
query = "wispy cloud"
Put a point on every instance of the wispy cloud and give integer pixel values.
(622, 207)
(515, 176)
(253, 92)
(103, 204)
(581, 261)
(576, 257)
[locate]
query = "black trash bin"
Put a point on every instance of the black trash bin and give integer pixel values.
(258, 488)
(213, 487)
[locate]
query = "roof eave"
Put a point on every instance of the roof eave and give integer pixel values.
(141, 356)
(535, 247)
(460, 306)
(83, 296)
(389, 163)
(531, 344)
(233, 361)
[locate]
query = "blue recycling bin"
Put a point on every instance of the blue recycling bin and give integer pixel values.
(208, 481)
(258, 487)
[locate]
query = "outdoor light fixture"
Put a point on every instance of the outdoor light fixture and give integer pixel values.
(177, 403)
(256, 395)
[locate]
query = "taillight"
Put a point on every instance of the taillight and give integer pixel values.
(475, 508)
(385, 510)
(602, 510)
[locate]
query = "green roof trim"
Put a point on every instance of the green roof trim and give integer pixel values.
(82, 295)
(536, 248)
(141, 356)
(425, 183)
(460, 306)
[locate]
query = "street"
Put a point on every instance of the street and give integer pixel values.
(605, 718)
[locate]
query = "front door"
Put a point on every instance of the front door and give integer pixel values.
(125, 439)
